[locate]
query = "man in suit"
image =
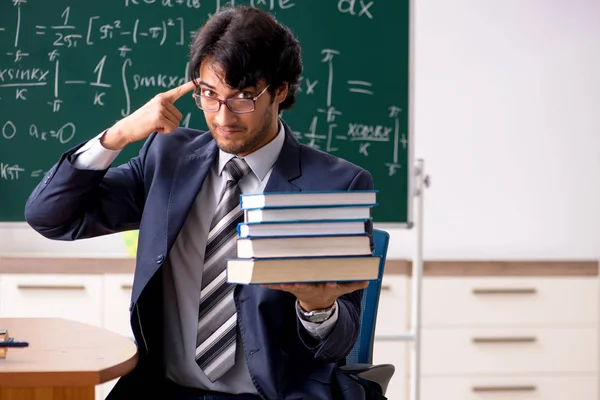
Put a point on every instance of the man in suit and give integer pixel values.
(199, 337)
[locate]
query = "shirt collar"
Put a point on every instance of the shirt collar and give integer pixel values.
(261, 160)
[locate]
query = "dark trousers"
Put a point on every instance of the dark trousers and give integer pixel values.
(178, 392)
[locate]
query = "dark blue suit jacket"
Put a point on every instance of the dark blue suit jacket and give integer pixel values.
(153, 192)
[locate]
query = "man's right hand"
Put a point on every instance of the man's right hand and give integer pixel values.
(158, 115)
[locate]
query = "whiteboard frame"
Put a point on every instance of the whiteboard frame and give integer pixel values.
(410, 193)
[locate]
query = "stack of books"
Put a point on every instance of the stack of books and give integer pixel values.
(301, 237)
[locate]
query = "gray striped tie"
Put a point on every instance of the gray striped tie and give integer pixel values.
(217, 320)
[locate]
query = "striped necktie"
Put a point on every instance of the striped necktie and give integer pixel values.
(217, 320)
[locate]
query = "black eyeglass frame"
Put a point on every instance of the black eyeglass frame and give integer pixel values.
(198, 101)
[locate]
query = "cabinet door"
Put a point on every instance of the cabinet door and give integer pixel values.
(515, 301)
(73, 297)
(117, 296)
(115, 317)
(503, 351)
(510, 387)
(103, 390)
(395, 353)
(393, 308)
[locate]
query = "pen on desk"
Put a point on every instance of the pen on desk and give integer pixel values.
(13, 344)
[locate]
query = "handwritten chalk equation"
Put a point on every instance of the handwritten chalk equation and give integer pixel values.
(14, 172)
(326, 133)
(111, 76)
(63, 134)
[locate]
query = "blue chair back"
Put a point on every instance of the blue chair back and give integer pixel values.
(362, 352)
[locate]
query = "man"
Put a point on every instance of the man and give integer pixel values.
(199, 337)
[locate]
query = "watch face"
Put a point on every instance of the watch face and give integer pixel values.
(315, 315)
(319, 317)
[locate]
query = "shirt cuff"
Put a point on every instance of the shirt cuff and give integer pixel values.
(94, 156)
(320, 330)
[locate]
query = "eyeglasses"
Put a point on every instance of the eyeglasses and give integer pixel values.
(235, 104)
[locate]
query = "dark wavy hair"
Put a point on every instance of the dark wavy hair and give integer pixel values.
(249, 44)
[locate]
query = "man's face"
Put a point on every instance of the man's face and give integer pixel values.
(239, 134)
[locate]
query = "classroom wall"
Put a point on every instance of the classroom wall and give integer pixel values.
(507, 119)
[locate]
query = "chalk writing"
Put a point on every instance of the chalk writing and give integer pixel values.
(10, 172)
(272, 4)
(161, 80)
(371, 133)
(165, 3)
(394, 114)
(14, 172)
(350, 7)
(309, 84)
(72, 69)
(63, 134)
(360, 87)
(23, 77)
(9, 130)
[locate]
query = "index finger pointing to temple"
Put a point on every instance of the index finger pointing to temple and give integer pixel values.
(174, 94)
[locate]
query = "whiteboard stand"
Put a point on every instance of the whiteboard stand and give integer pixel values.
(421, 183)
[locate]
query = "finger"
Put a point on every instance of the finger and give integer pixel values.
(360, 285)
(174, 94)
(173, 110)
(167, 126)
(271, 286)
(302, 286)
(172, 118)
(348, 287)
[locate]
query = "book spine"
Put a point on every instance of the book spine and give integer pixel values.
(314, 206)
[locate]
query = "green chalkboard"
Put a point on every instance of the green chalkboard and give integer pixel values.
(71, 68)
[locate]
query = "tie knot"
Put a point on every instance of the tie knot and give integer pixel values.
(237, 168)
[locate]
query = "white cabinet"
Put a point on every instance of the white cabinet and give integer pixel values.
(117, 297)
(510, 387)
(77, 297)
(74, 297)
(115, 316)
(97, 299)
(494, 301)
(526, 338)
(514, 350)
(395, 353)
(392, 319)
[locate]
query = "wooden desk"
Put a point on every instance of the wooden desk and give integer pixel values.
(64, 360)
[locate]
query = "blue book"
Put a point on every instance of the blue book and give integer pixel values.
(308, 199)
(302, 269)
(302, 228)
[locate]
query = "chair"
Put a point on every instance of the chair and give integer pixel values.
(359, 361)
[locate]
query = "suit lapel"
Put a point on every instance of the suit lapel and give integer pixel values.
(189, 177)
(287, 165)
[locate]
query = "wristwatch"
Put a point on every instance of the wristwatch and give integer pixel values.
(317, 316)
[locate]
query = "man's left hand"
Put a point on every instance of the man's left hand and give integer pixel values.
(314, 296)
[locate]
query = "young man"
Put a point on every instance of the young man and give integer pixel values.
(197, 335)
